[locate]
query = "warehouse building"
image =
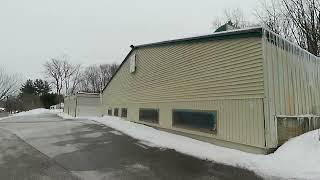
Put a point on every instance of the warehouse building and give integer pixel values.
(247, 89)
(83, 104)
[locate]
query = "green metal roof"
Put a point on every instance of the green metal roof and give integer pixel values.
(233, 34)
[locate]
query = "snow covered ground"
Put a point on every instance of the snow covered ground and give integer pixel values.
(36, 111)
(299, 158)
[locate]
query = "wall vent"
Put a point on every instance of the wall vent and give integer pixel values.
(133, 63)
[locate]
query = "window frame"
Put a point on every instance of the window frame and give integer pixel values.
(126, 110)
(114, 112)
(188, 127)
(150, 121)
(109, 110)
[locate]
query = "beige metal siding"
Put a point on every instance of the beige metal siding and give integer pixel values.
(225, 75)
(70, 105)
(83, 105)
(293, 80)
(229, 69)
(66, 104)
(239, 121)
(88, 106)
(73, 104)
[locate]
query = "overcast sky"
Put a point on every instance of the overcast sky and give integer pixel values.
(97, 31)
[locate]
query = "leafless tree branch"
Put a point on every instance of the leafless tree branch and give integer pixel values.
(8, 84)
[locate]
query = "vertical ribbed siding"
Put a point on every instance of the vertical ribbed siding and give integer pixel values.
(224, 75)
(292, 77)
(239, 121)
(66, 104)
(242, 121)
(88, 106)
(69, 103)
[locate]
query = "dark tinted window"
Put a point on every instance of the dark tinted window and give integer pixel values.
(202, 120)
(149, 115)
(124, 112)
(116, 112)
(110, 112)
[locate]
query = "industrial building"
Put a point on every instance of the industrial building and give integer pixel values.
(83, 104)
(246, 89)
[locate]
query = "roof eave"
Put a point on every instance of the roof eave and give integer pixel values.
(132, 49)
(238, 33)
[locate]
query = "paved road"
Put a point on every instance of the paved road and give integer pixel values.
(3, 114)
(48, 147)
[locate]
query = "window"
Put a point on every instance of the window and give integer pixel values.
(110, 112)
(124, 112)
(149, 115)
(195, 119)
(116, 112)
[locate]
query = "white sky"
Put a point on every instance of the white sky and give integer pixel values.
(97, 31)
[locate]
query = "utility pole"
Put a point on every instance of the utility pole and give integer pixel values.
(7, 104)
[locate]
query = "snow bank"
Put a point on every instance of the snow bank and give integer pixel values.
(34, 112)
(38, 111)
(299, 158)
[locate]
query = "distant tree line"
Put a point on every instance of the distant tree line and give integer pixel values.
(33, 94)
(72, 78)
(63, 78)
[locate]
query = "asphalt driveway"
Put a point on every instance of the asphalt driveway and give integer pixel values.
(48, 147)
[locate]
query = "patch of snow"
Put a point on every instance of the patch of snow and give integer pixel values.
(35, 112)
(116, 133)
(137, 166)
(94, 175)
(92, 135)
(141, 145)
(66, 116)
(106, 142)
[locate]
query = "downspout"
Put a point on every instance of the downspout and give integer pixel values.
(265, 100)
(100, 96)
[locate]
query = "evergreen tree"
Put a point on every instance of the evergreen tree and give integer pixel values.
(35, 94)
(28, 88)
(41, 87)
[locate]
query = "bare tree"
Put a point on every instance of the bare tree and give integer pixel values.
(70, 75)
(8, 84)
(296, 20)
(54, 70)
(106, 72)
(91, 79)
(72, 78)
(75, 80)
(270, 15)
(305, 17)
(236, 16)
(95, 78)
